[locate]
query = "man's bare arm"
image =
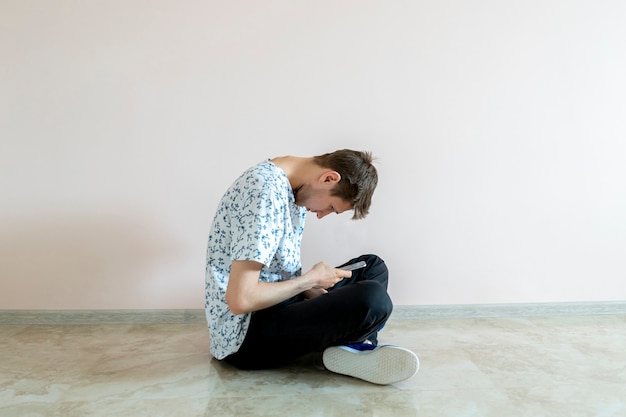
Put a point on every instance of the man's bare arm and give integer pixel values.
(245, 293)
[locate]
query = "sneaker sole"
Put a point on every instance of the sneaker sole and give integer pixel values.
(384, 365)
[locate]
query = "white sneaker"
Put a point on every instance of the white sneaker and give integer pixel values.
(383, 365)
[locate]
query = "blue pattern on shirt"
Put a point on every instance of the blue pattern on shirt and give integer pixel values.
(257, 219)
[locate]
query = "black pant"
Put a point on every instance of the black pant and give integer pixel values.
(351, 312)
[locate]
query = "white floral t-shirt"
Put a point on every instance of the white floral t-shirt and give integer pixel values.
(258, 220)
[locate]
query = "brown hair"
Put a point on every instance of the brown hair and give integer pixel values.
(358, 177)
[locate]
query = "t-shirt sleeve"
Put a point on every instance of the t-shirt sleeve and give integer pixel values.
(258, 225)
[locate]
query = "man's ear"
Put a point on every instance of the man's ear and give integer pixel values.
(331, 177)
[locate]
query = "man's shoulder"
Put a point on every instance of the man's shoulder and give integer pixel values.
(264, 175)
(265, 168)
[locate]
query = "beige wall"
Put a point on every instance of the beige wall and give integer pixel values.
(498, 127)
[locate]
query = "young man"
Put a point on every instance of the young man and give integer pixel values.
(262, 311)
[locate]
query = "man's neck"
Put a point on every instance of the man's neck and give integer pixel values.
(296, 168)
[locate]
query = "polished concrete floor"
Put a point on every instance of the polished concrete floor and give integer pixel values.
(541, 366)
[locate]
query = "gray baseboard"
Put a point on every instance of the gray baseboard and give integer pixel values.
(461, 311)
(170, 316)
(402, 312)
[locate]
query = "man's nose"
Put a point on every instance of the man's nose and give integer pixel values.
(321, 214)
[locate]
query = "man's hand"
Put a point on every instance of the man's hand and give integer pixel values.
(324, 276)
(245, 293)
